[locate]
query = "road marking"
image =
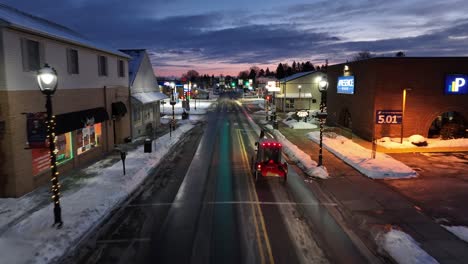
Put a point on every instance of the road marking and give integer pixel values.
(257, 231)
(111, 241)
(254, 193)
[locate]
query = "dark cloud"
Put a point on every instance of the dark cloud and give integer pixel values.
(318, 29)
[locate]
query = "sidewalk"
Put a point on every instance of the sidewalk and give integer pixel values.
(88, 196)
(373, 207)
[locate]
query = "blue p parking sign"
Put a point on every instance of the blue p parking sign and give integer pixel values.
(456, 84)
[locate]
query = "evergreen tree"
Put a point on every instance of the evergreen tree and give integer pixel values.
(267, 72)
(289, 71)
(308, 66)
(261, 73)
(280, 74)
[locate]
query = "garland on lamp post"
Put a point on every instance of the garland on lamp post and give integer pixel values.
(47, 80)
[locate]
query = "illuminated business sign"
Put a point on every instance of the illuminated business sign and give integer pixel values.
(388, 117)
(345, 85)
(456, 84)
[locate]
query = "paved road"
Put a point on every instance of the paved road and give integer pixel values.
(202, 206)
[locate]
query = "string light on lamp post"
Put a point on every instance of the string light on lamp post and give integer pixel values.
(47, 81)
(322, 86)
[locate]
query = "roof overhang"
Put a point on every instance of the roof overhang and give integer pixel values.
(149, 97)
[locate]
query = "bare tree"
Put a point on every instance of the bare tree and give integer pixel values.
(255, 69)
(363, 55)
(191, 75)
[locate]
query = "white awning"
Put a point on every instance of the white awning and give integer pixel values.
(149, 97)
(294, 95)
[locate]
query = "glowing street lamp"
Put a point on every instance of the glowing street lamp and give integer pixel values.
(299, 87)
(322, 87)
(47, 81)
(403, 108)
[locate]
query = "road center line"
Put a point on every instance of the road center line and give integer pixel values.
(254, 193)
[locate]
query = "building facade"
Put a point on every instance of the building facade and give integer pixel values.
(299, 92)
(92, 85)
(375, 97)
(145, 94)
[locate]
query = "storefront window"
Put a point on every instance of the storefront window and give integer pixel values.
(41, 159)
(88, 138)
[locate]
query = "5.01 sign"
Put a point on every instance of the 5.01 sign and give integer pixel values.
(388, 117)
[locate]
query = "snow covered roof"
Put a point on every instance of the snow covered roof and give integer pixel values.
(17, 19)
(294, 95)
(135, 62)
(295, 76)
(149, 97)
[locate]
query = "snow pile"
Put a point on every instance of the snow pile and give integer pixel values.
(383, 166)
(302, 159)
(403, 248)
(394, 143)
(417, 139)
(299, 125)
(460, 231)
(33, 240)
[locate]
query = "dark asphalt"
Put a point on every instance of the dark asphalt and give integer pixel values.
(202, 206)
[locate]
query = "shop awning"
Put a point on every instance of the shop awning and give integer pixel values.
(149, 97)
(77, 120)
(118, 109)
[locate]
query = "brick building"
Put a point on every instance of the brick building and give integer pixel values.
(366, 96)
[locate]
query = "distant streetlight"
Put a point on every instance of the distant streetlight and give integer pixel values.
(173, 102)
(299, 87)
(403, 108)
(322, 86)
(196, 93)
(47, 81)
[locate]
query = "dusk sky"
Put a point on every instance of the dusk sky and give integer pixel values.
(225, 37)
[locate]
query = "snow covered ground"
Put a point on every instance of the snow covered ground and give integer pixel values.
(403, 248)
(460, 231)
(383, 166)
(33, 240)
(299, 125)
(26, 235)
(394, 143)
(302, 159)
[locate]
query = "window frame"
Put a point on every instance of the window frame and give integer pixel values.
(70, 62)
(121, 68)
(26, 54)
(102, 66)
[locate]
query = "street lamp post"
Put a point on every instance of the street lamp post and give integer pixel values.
(403, 108)
(299, 87)
(173, 102)
(322, 86)
(196, 95)
(47, 80)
